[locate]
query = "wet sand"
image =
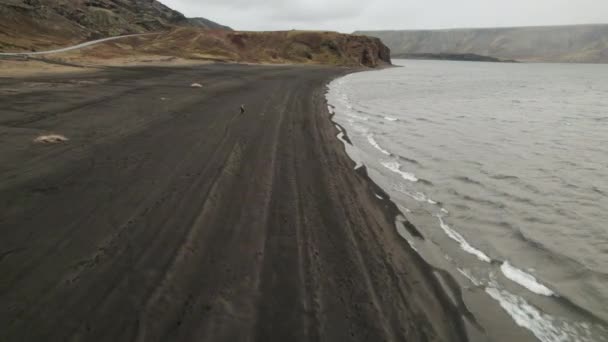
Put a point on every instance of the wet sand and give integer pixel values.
(169, 216)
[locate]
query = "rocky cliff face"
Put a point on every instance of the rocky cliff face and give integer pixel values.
(35, 24)
(580, 43)
(368, 51)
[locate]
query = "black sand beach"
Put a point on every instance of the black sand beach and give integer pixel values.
(169, 216)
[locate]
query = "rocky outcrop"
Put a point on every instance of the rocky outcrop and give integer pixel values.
(368, 51)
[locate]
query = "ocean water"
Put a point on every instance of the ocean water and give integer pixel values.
(504, 170)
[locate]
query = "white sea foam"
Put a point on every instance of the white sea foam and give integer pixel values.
(545, 327)
(524, 279)
(402, 208)
(359, 128)
(418, 196)
(445, 211)
(464, 244)
(374, 143)
(469, 276)
(388, 118)
(352, 153)
(358, 117)
(396, 168)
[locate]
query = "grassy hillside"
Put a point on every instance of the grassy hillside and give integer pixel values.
(28, 25)
(315, 47)
(581, 43)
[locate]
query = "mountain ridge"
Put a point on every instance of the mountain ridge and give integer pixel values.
(41, 24)
(586, 43)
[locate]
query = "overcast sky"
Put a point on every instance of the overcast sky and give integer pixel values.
(350, 15)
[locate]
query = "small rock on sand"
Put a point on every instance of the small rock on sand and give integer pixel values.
(196, 85)
(51, 139)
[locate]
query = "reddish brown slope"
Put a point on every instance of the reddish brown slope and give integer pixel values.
(307, 47)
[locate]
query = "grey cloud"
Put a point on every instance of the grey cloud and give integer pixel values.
(347, 16)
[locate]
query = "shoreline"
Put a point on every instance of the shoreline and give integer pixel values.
(446, 285)
(500, 288)
(192, 222)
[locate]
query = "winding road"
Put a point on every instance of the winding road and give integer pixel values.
(70, 48)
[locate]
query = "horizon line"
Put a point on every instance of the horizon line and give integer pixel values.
(484, 27)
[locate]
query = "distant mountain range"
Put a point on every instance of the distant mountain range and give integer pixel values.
(39, 24)
(579, 43)
(463, 57)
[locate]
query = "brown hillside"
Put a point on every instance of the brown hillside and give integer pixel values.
(28, 25)
(257, 47)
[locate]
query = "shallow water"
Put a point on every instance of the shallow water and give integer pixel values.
(503, 168)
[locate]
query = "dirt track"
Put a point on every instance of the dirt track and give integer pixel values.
(168, 216)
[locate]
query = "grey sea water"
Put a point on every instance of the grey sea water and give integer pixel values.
(504, 170)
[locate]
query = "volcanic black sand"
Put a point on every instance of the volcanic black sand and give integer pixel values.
(169, 216)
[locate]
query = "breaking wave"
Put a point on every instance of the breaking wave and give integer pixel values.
(374, 143)
(524, 279)
(396, 168)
